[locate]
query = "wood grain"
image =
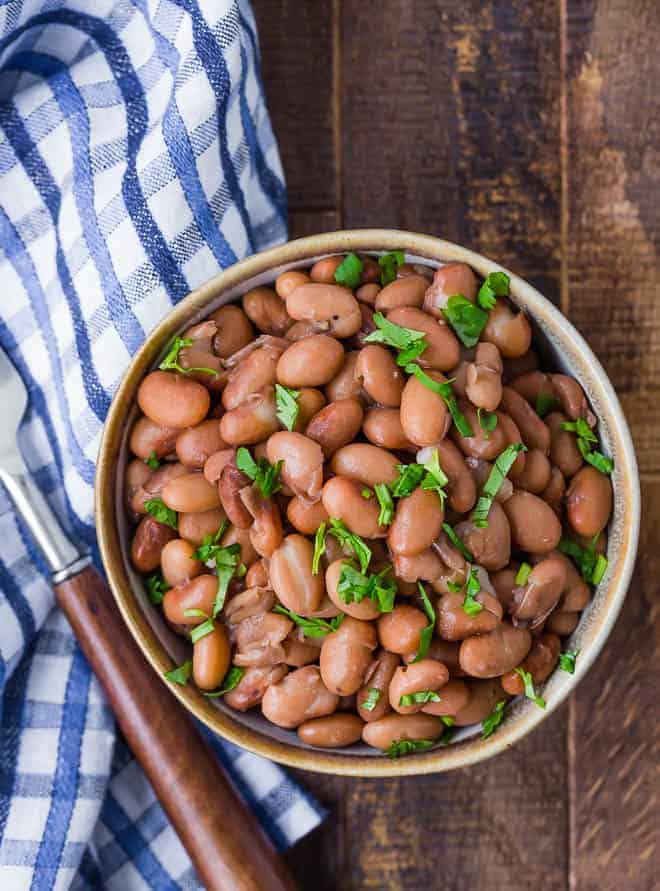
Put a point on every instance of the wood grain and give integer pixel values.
(613, 240)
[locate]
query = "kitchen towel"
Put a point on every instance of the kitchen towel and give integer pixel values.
(136, 159)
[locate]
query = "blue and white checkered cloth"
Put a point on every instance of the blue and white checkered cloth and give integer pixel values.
(136, 158)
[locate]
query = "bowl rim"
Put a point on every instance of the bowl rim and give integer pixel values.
(520, 720)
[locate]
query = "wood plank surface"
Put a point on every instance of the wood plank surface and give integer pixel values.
(528, 131)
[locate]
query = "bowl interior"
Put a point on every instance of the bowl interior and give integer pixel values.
(562, 349)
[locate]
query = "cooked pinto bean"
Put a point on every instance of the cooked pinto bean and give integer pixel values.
(234, 330)
(564, 452)
(291, 575)
(417, 523)
(396, 728)
(259, 639)
(195, 445)
(333, 304)
(512, 435)
(251, 375)
(483, 385)
(302, 469)
(378, 679)
(514, 368)
(554, 492)
(251, 421)
(379, 374)
(536, 474)
(310, 402)
(299, 696)
(461, 490)
(177, 562)
(267, 311)
(496, 652)
(235, 535)
(211, 657)
(257, 575)
(148, 542)
(336, 425)
(290, 280)
(382, 427)
(311, 362)
(251, 688)
(510, 332)
(540, 662)
(232, 482)
(197, 594)
(306, 516)
(136, 476)
(216, 463)
(332, 732)
(346, 656)
(534, 601)
(534, 525)
(454, 696)
(324, 270)
(480, 471)
(344, 385)
(408, 291)
(427, 675)
(484, 696)
(254, 601)
(533, 430)
(365, 464)
(194, 527)
(589, 501)
(453, 278)
(149, 438)
(342, 498)
(533, 384)
(172, 400)
(266, 529)
(489, 545)
(368, 293)
(571, 396)
(453, 623)
(190, 493)
(399, 631)
(443, 350)
(424, 415)
(482, 444)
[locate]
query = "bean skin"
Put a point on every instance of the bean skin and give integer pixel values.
(302, 470)
(589, 502)
(197, 594)
(311, 362)
(318, 302)
(252, 374)
(231, 482)
(454, 696)
(194, 527)
(310, 402)
(382, 427)
(342, 499)
(267, 311)
(490, 545)
(288, 281)
(177, 563)
(496, 652)
(332, 732)
(571, 396)
(564, 452)
(366, 610)
(450, 279)
(379, 375)
(266, 529)
(344, 384)
(191, 493)
(396, 728)
(453, 623)
(324, 269)
(483, 385)
(252, 686)
(534, 431)
(336, 425)
(408, 291)
(368, 293)
(534, 525)
(443, 351)
(148, 438)
(136, 476)
(534, 601)
(365, 464)
(399, 631)
(173, 400)
(378, 677)
(148, 542)
(424, 415)
(211, 657)
(291, 575)
(417, 677)
(484, 696)
(305, 516)
(195, 445)
(562, 623)
(478, 445)
(510, 332)
(554, 492)
(417, 523)
(297, 698)
(536, 474)
(540, 662)
(234, 330)
(346, 656)
(252, 421)
(461, 489)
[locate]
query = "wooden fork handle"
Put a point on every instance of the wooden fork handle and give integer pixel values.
(225, 842)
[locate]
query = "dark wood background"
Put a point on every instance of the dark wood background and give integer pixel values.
(529, 131)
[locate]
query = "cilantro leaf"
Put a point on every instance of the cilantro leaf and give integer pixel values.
(156, 587)
(467, 319)
(496, 285)
(386, 514)
(408, 746)
(487, 421)
(287, 407)
(458, 544)
(545, 403)
(226, 561)
(503, 464)
(493, 720)
(180, 675)
(419, 698)
(200, 631)
(585, 440)
(349, 271)
(394, 335)
(592, 566)
(567, 661)
(354, 586)
(371, 700)
(426, 634)
(347, 538)
(229, 682)
(152, 460)
(157, 508)
(311, 627)
(470, 605)
(171, 360)
(530, 692)
(435, 479)
(389, 264)
(263, 474)
(319, 547)
(410, 476)
(523, 574)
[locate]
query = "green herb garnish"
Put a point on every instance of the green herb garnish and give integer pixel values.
(371, 699)
(157, 508)
(180, 675)
(410, 476)
(347, 538)
(263, 474)
(592, 566)
(426, 634)
(467, 319)
(287, 408)
(229, 682)
(408, 746)
(503, 464)
(349, 271)
(585, 440)
(226, 561)
(443, 388)
(389, 265)
(493, 720)
(397, 336)
(156, 587)
(471, 606)
(195, 614)
(171, 360)
(386, 514)
(319, 547)
(487, 421)
(436, 479)
(458, 544)
(366, 493)
(567, 661)
(530, 692)
(354, 586)
(545, 403)
(523, 574)
(200, 631)
(420, 698)
(496, 285)
(311, 627)
(152, 461)
(448, 720)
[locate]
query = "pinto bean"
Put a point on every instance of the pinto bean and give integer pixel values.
(172, 400)
(291, 575)
(396, 728)
(408, 291)
(299, 696)
(235, 535)
(540, 662)
(461, 489)
(177, 562)
(257, 575)
(136, 476)
(253, 601)
(483, 385)
(197, 594)
(259, 639)
(302, 470)
(536, 473)
(251, 688)
(482, 444)
(267, 312)
(304, 516)
(562, 622)
(443, 349)
(251, 375)
(454, 697)
(534, 431)
(453, 278)
(382, 427)
(453, 623)
(534, 525)
(496, 652)
(365, 464)
(344, 385)
(231, 482)
(589, 501)
(196, 444)
(417, 523)
(512, 436)
(533, 384)
(572, 399)
(368, 293)
(311, 362)
(332, 732)
(509, 331)
(216, 463)
(480, 471)
(346, 656)
(148, 542)
(378, 677)
(300, 330)
(194, 527)
(417, 677)
(504, 581)
(324, 269)
(490, 545)
(513, 368)
(148, 438)
(234, 330)
(534, 601)
(424, 415)
(266, 529)
(564, 452)
(399, 631)
(427, 565)
(379, 375)
(336, 425)
(190, 493)
(484, 696)
(318, 302)
(252, 421)
(342, 499)
(290, 280)
(298, 653)
(211, 658)
(554, 492)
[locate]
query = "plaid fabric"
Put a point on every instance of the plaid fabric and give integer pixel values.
(136, 158)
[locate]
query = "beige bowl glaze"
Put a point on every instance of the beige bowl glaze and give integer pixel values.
(565, 349)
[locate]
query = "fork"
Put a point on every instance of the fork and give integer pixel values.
(223, 838)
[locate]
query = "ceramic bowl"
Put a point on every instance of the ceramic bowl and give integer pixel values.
(564, 349)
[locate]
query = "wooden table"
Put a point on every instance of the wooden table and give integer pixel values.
(529, 131)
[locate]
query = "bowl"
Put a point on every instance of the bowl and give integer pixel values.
(563, 348)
